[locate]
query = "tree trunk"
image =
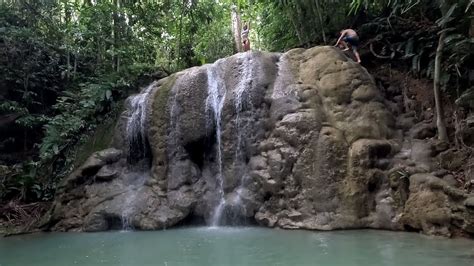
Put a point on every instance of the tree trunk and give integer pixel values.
(295, 26)
(99, 51)
(67, 20)
(440, 124)
(75, 66)
(68, 62)
(118, 63)
(115, 35)
(471, 29)
(178, 52)
(300, 25)
(236, 24)
(317, 9)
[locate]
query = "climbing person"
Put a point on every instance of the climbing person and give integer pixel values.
(351, 37)
(245, 37)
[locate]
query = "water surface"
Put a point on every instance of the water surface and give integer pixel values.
(235, 246)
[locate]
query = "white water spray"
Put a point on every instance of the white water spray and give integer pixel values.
(136, 136)
(214, 104)
(283, 79)
(244, 85)
(136, 182)
(136, 123)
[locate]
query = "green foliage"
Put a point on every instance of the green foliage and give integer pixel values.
(66, 64)
(21, 181)
(76, 113)
(402, 35)
(213, 40)
(285, 24)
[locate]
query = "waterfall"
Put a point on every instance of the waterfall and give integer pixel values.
(136, 125)
(134, 181)
(136, 137)
(214, 105)
(241, 100)
(244, 82)
(128, 210)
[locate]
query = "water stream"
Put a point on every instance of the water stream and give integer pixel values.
(214, 105)
(138, 150)
(283, 79)
(242, 100)
(136, 124)
(135, 181)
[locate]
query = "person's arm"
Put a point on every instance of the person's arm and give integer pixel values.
(343, 33)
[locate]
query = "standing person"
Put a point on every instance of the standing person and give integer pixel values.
(350, 36)
(245, 36)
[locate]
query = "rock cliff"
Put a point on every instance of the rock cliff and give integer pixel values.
(302, 139)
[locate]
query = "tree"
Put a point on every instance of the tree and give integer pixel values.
(236, 28)
(440, 124)
(447, 9)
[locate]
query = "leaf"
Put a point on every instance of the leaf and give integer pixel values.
(409, 48)
(415, 65)
(452, 37)
(447, 17)
(469, 6)
(108, 94)
(36, 187)
(429, 71)
(55, 149)
(444, 79)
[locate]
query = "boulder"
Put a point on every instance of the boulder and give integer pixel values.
(453, 159)
(302, 140)
(423, 130)
(106, 173)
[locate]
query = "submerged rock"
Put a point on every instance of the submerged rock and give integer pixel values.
(295, 140)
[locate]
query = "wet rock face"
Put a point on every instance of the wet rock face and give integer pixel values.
(295, 140)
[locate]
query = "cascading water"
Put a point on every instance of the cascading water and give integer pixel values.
(214, 104)
(136, 181)
(245, 82)
(136, 123)
(137, 151)
(283, 79)
(241, 100)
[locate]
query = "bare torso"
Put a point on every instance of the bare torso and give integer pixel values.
(350, 33)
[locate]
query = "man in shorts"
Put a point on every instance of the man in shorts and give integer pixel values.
(349, 36)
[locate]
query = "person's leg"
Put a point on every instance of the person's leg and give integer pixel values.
(248, 45)
(354, 42)
(356, 53)
(346, 48)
